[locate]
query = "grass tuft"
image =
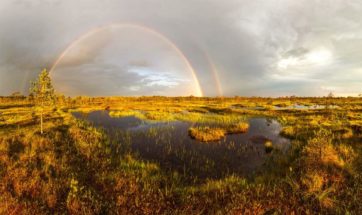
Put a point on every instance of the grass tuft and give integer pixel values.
(207, 134)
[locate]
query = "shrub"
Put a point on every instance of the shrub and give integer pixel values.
(268, 146)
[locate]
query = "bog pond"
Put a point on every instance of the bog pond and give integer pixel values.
(290, 107)
(169, 145)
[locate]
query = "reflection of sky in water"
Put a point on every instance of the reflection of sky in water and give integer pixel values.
(305, 107)
(295, 106)
(169, 144)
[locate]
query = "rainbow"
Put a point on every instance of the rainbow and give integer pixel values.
(198, 91)
(214, 71)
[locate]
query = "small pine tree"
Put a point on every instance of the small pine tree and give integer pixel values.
(42, 93)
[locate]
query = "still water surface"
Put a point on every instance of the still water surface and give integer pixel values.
(169, 145)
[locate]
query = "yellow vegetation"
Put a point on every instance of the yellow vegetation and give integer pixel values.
(348, 133)
(288, 131)
(76, 168)
(240, 127)
(268, 146)
(207, 134)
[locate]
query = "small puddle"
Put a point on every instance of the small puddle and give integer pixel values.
(241, 107)
(305, 107)
(290, 107)
(169, 144)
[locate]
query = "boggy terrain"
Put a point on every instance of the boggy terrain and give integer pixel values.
(161, 155)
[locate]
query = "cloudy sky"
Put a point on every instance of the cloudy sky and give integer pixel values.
(183, 47)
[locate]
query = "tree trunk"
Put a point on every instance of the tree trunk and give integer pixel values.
(41, 117)
(41, 122)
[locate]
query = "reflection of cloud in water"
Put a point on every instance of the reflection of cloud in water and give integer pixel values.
(169, 144)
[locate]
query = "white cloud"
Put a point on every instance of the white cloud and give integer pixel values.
(153, 78)
(311, 59)
(288, 62)
(321, 56)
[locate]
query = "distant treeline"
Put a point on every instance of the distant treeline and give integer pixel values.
(85, 100)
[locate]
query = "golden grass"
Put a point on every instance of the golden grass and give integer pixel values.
(313, 181)
(74, 168)
(323, 153)
(348, 133)
(207, 134)
(288, 131)
(240, 127)
(126, 113)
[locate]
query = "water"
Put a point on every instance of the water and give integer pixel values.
(305, 107)
(290, 107)
(169, 144)
(241, 107)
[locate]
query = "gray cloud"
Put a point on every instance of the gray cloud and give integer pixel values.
(264, 48)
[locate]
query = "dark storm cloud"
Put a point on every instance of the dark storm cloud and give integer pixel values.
(260, 47)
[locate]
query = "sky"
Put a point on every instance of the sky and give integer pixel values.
(183, 47)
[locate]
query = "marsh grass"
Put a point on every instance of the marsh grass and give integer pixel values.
(218, 131)
(240, 127)
(78, 169)
(126, 113)
(207, 134)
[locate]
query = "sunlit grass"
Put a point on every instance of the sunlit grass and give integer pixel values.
(77, 168)
(127, 113)
(240, 127)
(207, 134)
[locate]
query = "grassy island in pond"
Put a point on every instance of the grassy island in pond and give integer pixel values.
(206, 134)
